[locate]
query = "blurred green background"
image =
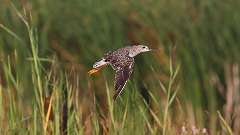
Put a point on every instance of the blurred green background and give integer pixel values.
(202, 36)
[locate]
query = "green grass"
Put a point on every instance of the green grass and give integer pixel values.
(47, 47)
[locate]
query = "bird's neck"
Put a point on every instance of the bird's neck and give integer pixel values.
(133, 53)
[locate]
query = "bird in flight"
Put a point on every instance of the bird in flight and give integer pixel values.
(122, 61)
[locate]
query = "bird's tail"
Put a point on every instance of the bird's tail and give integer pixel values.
(100, 64)
(97, 66)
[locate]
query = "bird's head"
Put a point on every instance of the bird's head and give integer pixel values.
(137, 49)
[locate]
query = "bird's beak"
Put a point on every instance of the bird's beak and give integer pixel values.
(154, 50)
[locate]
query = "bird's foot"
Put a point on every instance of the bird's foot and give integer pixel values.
(93, 71)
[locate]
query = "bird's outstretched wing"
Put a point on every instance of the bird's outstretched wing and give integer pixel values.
(121, 77)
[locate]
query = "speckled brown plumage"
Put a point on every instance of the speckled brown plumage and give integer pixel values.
(122, 61)
(123, 66)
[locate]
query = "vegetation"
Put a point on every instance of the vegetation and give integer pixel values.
(189, 86)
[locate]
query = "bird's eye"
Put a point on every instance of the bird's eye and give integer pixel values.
(144, 47)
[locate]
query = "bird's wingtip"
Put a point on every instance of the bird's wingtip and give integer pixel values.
(115, 97)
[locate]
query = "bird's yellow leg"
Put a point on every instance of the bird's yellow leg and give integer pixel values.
(93, 71)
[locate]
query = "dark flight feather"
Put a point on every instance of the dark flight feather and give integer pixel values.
(121, 78)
